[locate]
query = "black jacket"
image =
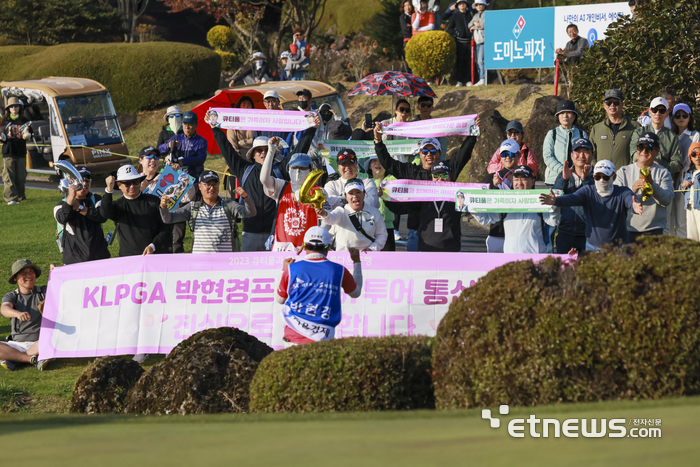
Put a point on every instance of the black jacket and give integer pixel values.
(265, 206)
(459, 26)
(449, 240)
(138, 224)
(573, 220)
(87, 241)
(165, 134)
(14, 145)
(406, 29)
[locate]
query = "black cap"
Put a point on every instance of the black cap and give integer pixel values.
(525, 171)
(566, 106)
(207, 176)
(440, 168)
(649, 139)
(304, 92)
(85, 173)
(149, 150)
(613, 94)
(346, 155)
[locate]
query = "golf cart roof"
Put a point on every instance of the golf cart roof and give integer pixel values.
(56, 86)
(288, 89)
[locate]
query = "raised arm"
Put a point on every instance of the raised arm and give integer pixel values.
(233, 159)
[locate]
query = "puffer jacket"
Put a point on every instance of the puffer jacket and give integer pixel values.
(557, 150)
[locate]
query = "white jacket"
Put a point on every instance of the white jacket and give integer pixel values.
(347, 236)
(523, 230)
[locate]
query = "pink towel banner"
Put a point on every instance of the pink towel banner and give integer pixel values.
(435, 127)
(262, 120)
(425, 190)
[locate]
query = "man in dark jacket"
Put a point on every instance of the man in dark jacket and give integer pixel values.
(79, 216)
(191, 147)
(14, 132)
(459, 29)
(136, 215)
(611, 137)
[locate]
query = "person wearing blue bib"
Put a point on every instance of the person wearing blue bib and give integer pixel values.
(310, 290)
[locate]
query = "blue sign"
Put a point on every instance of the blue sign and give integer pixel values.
(519, 39)
(592, 36)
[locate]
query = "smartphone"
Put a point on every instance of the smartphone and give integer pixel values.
(368, 120)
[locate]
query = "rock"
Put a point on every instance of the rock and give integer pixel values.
(520, 81)
(341, 43)
(126, 121)
(451, 100)
(331, 30)
(526, 90)
(493, 130)
(208, 373)
(339, 87)
(548, 78)
(103, 386)
(478, 106)
(563, 90)
(358, 116)
(541, 120)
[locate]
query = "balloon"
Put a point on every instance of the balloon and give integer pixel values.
(305, 195)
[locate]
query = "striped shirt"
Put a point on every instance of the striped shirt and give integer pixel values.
(212, 231)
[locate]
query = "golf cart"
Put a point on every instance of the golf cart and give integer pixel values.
(73, 119)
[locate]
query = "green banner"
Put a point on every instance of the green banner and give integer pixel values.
(365, 149)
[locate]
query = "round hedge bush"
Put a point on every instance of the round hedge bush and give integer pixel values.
(104, 385)
(221, 37)
(624, 323)
(228, 60)
(138, 76)
(351, 374)
(431, 54)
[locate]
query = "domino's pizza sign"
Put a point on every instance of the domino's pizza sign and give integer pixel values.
(519, 25)
(526, 44)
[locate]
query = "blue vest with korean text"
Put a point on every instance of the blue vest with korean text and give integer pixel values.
(314, 291)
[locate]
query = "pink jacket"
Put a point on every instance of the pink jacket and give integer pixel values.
(527, 157)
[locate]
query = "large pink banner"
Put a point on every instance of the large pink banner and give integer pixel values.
(148, 304)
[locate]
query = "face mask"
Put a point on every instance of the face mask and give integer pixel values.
(258, 64)
(303, 104)
(604, 188)
(175, 123)
(297, 177)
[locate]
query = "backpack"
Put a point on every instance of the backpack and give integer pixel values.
(60, 227)
(235, 244)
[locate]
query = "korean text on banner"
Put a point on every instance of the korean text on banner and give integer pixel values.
(149, 304)
(435, 127)
(425, 190)
(365, 149)
(503, 200)
(262, 120)
(592, 20)
(519, 39)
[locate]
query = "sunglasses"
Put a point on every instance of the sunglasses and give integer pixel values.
(658, 110)
(174, 115)
(601, 176)
(512, 155)
(645, 149)
(681, 115)
(427, 151)
(615, 103)
(695, 154)
(347, 158)
(150, 156)
(425, 105)
(130, 183)
(442, 176)
(404, 110)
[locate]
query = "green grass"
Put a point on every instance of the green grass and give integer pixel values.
(425, 438)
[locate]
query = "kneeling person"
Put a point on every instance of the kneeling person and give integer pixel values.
(211, 220)
(359, 225)
(310, 290)
(524, 230)
(22, 307)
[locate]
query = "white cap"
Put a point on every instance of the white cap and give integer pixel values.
(317, 235)
(428, 141)
(659, 101)
(258, 56)
(509, 145)
(271, 93)
(127, 173)
(354, 185)
(479, 2)
(604, 167)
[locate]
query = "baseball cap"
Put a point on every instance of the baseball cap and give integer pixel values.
(509, 145)
(149, 150)
(304, 92)
(85, 173)
(440, 168)
(189, 117)
(317, 236)
(127, 173)
(684, 107)
(581, 143)
(427, 141)
(525, 171)
(271, 94)
(514, 126)
(604, 167)
(345, 156)
(299, 160)
(613, 94)
(207, 176)
(21, 264)
(657, 101)
(649, 139)
(354, 184)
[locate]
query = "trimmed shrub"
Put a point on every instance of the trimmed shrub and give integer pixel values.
(623, 324)
(208, 373)
(431, 54)
(138, 76)
(351, 374)
(228, 60)
(103, 386)
(221, 37)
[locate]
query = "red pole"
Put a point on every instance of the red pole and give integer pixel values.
(473, 52)
(556, 77)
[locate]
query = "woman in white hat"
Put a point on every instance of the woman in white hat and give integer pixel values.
(173, 124)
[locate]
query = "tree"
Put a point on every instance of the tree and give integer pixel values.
(384, 28)
(641, 57)
(49, 22)
(131, 10)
